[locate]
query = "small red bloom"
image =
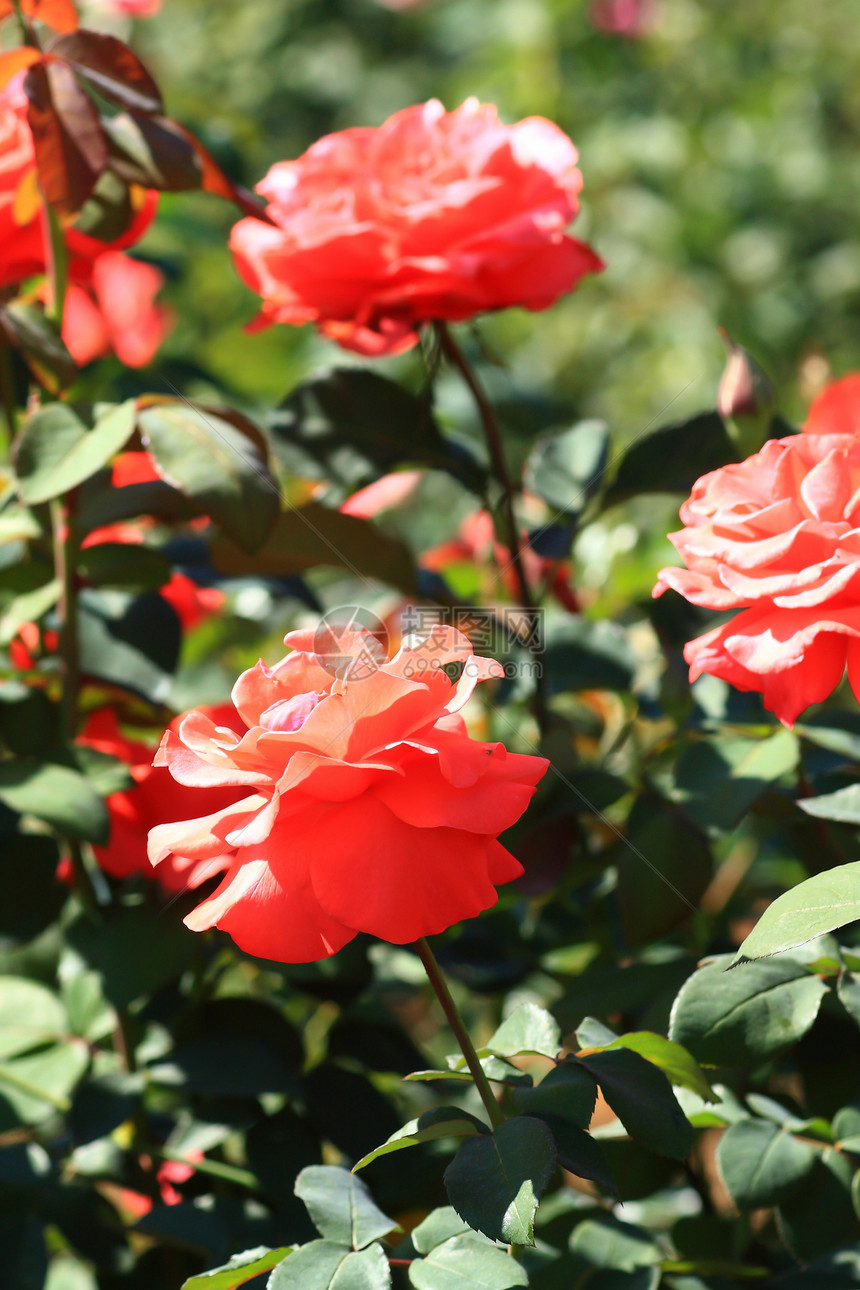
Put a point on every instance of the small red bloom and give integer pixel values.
(369, 809)
(111, 308)
(435, 215)
(777, 538)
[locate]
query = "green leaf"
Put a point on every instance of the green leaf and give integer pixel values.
(848, 990)
(207, 458)
(671, 459)
(529, 1029)
(839, 1270)
(843, 806)
(56, 794)
(37, 337)
(439, 1225)
(656, 895)
(118, 564)
(744, 1016)
(38, 1084)
(820, 1215)
(28, 608)
(585, 655)
(136, 950)
(818, 905)
(567, 1091)
(30, 1015)
(129, 641)
(341, 1206)
(674, 1061)
(440, 1122)
(56, 450)
(467, 1262)
(314, 535)
(351, 425)
(241, 1268)
(761, 1164)
(496, 1179)
(607, 1243)
(578, 1152)
(642, 1098)
(324, 1265)
(718, 780)
(566, 468)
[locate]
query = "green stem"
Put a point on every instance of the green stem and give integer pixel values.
(58, 263)
(66, 548)
(7, 389)
(27, 34)
(510, 535)
(455, 1021)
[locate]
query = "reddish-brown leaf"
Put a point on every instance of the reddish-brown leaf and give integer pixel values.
(215, 181)
(71, 148)
(111, 68)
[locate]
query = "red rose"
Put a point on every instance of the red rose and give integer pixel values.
(777, 537)
(370, 808)
(57, 14)
(434, 216)
(134, 811)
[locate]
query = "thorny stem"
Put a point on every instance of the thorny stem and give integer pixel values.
(455, 1021)
(58, 262)
(7, 388)
(27, 35)
(511, 534)
(65, 562)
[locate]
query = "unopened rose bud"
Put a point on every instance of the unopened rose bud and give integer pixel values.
(746, 399)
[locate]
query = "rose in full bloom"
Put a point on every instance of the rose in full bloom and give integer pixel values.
(153, 797)
(368, 807)
(778, 538)
(434, 216)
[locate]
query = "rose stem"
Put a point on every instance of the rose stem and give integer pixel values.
(65, 562)
(455, 1021)
(511, 537)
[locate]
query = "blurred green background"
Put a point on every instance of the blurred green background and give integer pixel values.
(722, 179)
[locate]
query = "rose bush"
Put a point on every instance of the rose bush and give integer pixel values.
(777, 537)
(370, 808)
(433, 216)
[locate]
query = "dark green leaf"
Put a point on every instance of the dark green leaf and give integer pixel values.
(136, 951)
(117, 564)
(129, 641)
(566, 468)
(219, 467)
(820, 1215)
(761, 1164)
(351, 425)
(671, 459)
(673, 1060)
(56, 794)
(341, 1206)
(313, 535)
(567, 1092)
(718, 780)
(56, 450)
(241, 1268)
(663, 869)
(495, 1180)
(642, 1098)
(467, 1262)
(739, 1017)
(585, 655)
(28, 330)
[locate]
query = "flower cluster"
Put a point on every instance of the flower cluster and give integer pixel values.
(369, 807)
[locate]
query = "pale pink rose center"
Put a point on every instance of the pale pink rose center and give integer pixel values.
(290, 714)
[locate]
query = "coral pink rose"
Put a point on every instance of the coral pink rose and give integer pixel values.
(778, 537)
(131, 8)
(154, 796)
(60, 15)
(434, 216)
(369, 809)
